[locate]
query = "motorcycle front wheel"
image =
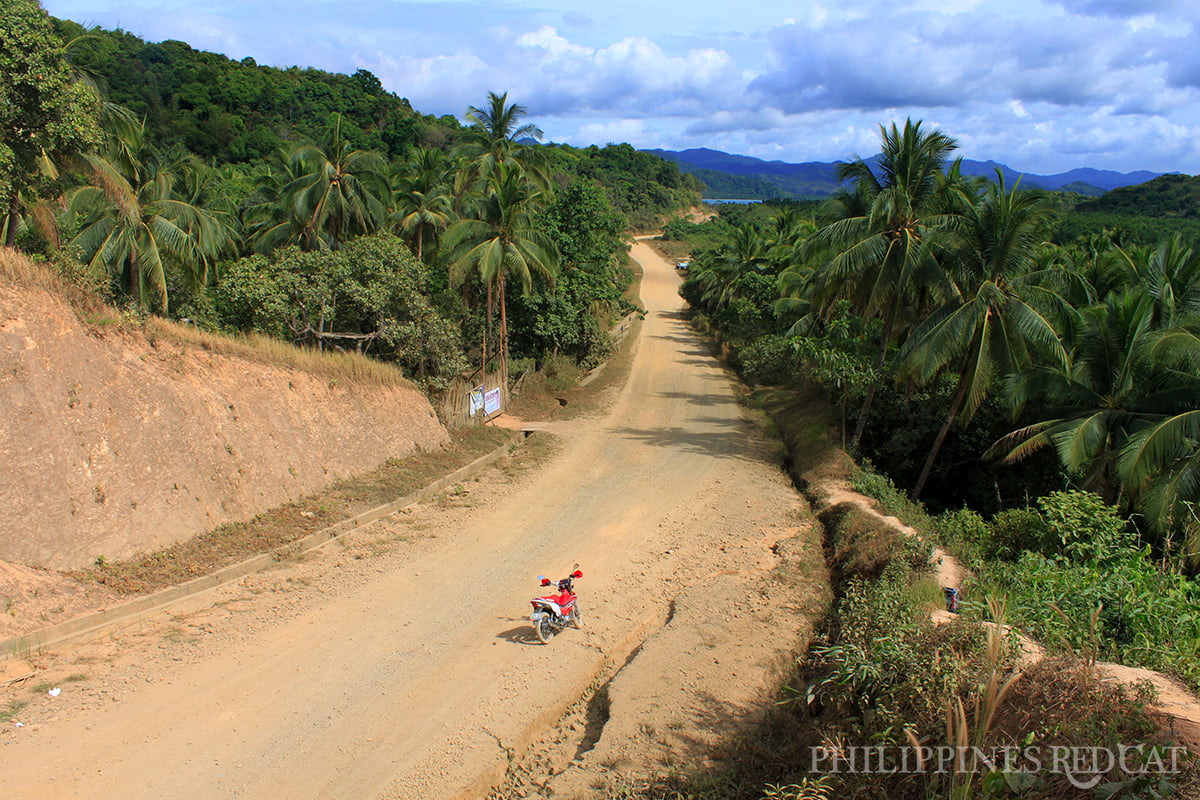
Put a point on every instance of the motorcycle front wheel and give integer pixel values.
(543, 628)
(575, 621)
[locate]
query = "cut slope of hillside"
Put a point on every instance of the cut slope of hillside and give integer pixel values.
(112, 443)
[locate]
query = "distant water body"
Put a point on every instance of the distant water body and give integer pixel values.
(716, 200)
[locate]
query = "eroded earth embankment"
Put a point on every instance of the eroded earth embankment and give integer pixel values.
(112, 444)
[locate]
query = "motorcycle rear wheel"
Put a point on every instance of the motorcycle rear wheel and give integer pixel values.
(543, 628)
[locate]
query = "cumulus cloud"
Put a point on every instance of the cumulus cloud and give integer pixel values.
(1113, 83)
(945, 61)
(632, 75)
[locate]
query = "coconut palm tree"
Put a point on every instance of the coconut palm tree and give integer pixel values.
(744, 250)
(266, 215)
(135, 226)
(1160, 464)
(501, 244)
(115, 132)
(1115, 387)
(996, 318)
(788, 230)
(1170, 275)
(424, 203)
(495, 138)
(325, 193)
(882, 256)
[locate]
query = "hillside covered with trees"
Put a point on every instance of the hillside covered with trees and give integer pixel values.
(314, 207)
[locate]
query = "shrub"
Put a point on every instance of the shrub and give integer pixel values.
(561, 372)
(1146, 618)
(768, 361)
(1015, 531)
(888, 667)
(1086, 528)
(965, 533)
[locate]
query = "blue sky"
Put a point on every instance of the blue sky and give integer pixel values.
(1041, 86)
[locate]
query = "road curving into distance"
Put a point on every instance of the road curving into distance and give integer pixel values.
(407, 669)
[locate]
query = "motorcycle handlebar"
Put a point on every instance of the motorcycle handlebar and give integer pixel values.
(574, 576)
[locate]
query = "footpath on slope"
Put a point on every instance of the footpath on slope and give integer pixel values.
(1176, 709)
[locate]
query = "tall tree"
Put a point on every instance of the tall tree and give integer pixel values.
(1161, 462)
(134, 225)
(502, 243)
(495, 139)
(1112, 388)
(423, 197)
(882, 255)
(996, 318)
(333, 192)
(743, 251)
(43, 108)
(1169, 274)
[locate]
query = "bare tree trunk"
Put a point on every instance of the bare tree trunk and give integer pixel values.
(955, 406)
(487, 331)
(135, 276)
(503, 336)
(14, 214)
(870, 396)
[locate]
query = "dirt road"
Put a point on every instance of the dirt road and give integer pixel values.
(399, 664)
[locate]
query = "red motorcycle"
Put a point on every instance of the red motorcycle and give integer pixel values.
(554, 612)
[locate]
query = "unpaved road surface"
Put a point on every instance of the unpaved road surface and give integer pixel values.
(398, 662)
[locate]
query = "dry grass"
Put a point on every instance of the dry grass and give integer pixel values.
(280, 526)
(862, 544)
(351, 368)
(806, 423)
(19, 270)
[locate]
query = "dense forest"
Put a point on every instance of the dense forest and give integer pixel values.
(314, 207)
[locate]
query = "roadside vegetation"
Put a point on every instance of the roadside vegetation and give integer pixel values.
(972, 360)
(882, 679)
(1022, 387)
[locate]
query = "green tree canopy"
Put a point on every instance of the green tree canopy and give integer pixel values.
(43, 109)
(371, 295)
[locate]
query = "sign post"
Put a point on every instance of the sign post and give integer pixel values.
(491, 402)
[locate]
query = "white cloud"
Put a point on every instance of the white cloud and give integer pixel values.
(1058, 83)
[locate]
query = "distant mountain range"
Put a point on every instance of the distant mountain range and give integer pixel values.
(745, 178)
